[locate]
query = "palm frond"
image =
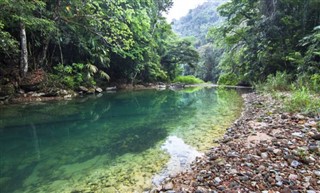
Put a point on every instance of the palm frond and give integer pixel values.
(104, 75)
(92, 68)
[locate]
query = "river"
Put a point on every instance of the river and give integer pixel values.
(123, 141)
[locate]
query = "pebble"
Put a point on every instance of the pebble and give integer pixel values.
(317, 173)
(298, 134)
(232, 154)
(313, 148)
(264, 155)
(277, 151)
(233, 171)
(261, 168)
(295, 163)
(279, 178)
(226, 140)
(244, 178)
(200, 178)
(217, 180)
(293, 177)
(316, 137)
(279, 183)
(168, 186)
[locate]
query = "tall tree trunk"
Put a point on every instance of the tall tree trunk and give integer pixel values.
(24, 51)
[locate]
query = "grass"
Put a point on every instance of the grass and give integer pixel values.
(188, 80)
(278, 82)
(303, 101)
(295, 97)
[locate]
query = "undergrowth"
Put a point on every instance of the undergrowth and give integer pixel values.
(278, 82)
(228, 79)
(302, 100)
(295, 96)
(188, 80)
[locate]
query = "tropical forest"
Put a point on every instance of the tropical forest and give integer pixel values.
(108, 96)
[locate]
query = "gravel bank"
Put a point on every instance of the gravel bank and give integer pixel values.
(265, 150)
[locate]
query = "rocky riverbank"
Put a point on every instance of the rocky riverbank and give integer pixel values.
(38, 94)
(265, 150)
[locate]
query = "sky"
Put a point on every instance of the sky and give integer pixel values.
(180, 8)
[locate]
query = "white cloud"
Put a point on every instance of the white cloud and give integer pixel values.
(181, 8)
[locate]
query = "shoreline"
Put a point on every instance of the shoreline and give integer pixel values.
(63, 94)
(265, 150)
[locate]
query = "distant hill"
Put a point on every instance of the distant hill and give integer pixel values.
(198, 21)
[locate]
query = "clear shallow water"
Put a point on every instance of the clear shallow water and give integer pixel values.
(108, 143)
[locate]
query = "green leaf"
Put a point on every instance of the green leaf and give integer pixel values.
(92, 68)
(104, 75)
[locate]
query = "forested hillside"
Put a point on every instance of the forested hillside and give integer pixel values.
(198, 21)
(195, 26)
(77, 43)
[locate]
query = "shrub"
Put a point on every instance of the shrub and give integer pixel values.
(278, 82)
(303, 101)
(70, 75)
(188, 80)
(228, 79)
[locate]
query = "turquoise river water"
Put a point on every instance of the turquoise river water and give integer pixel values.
(115, 142)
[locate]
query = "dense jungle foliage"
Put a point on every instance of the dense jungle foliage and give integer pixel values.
(263, 37)
(80, 42)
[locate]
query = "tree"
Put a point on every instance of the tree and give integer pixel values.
(9, 45)
(260, 34)
(24, 51)
(23, 14)
(177, 54)
(207, 68)
(75, 41)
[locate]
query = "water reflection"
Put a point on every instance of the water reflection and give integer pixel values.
(181, 156)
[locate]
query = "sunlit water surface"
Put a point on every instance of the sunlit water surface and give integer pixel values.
(117, 142)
